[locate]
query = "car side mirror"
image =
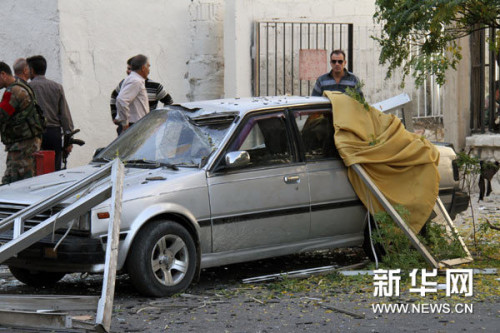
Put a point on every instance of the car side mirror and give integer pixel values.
(237, 159)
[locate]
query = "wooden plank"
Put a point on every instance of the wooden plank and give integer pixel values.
(105, 307)
(49, 302)
(34, 319)
(454, 230)
(454, 262)
(441, 220)
(395, 215)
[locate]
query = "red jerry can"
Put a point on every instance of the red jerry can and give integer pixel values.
(45, 161)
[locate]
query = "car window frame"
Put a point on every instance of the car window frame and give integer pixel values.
(218, 166)
(298, 136)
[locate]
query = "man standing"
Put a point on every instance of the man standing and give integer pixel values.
(154, 90)
(21, 127)
(338, 79)
(51, 98)
(21, 70)
(132, 101)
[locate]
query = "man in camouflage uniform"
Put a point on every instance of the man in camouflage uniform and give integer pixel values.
(21, 126)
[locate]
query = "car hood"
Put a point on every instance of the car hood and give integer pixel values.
(39, 188)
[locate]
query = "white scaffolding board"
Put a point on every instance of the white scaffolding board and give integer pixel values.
(105, 183)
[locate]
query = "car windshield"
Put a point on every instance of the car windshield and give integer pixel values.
(168, 137)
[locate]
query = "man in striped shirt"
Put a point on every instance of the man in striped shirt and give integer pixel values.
(338, 79)
(154, 91)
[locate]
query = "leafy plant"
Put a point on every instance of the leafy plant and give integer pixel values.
(420, 36)
(355, 93)
(469, 167)
(400, 253)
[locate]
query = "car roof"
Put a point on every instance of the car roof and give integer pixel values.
(245, 105)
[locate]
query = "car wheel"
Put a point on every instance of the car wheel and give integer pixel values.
(367, 246)
(36, 278)
(162, 259)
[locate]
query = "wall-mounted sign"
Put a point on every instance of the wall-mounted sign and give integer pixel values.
(312, 63)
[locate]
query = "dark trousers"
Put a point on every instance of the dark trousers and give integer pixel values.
(52, 140)
(487, 173)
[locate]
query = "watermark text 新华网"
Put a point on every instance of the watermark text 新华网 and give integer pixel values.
(458, 282)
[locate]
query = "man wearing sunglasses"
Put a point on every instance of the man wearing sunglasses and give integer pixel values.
(338, 79)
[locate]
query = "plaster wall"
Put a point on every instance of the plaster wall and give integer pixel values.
(87, 44)
(456, 106)
(97, 38)
(28, 28)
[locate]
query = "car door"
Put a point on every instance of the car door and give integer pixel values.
(335, 207)
(264, 203)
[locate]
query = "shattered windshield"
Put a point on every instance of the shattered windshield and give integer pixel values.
(168, 137)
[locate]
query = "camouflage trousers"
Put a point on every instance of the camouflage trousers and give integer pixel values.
(20, 160)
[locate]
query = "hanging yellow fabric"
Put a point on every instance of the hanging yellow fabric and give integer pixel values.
(402, 164)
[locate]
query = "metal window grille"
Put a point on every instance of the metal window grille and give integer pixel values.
(484, 73)
(276, 57)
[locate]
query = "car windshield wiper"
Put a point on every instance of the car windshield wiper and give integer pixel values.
(151, 163)
(187, 165)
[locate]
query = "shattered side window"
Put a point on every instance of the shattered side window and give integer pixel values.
(265, 138)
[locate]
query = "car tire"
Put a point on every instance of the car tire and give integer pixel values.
(36, 278)
(162, 259)
(367, 247)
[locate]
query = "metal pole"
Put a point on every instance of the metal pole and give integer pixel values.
(492, 72)
(267, 58)
(333, 38)
(284, 58)
(340, 34)
(275, 59)
(481, 80)
(257, 61)
(293, 50)
(300, 48)
(350, 47)
(324, 36)
(308, 47)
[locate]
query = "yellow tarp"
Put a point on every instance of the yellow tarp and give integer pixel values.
(402, 164)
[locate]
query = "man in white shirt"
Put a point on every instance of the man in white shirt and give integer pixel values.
(132, 102)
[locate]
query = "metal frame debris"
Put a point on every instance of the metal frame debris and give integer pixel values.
(440, 211)
(92, 196)
(303, 273)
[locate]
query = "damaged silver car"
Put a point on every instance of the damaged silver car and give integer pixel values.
(208, 183)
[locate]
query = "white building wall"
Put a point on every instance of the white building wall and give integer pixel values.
(97, 38)
(198, 49)
(28, 28)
